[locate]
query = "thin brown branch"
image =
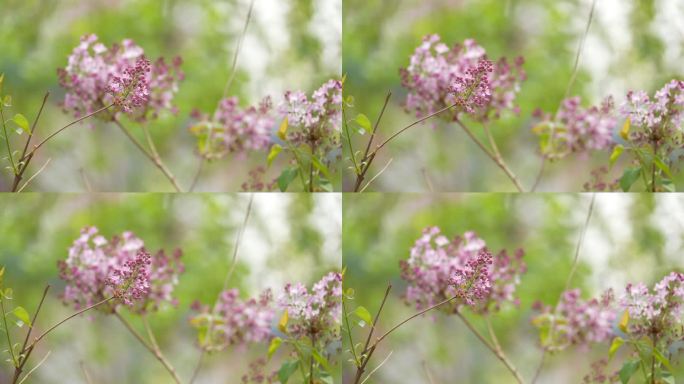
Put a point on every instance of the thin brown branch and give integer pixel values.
(575, 260)
(495, 156)
(22, 363)
(36, 147)
(409, 126)
(494, 347)
(195, 178)
(23, 164)
(153, 348)
(39, 338)
(237, 50)
(537, 179)
(365, 352)
(153, 156)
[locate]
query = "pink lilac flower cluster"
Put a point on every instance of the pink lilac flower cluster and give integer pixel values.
(577, 322)
(577, 129)
(234, 129)
(658, 312)
(438, 269)
(658, 120)
(601, 374)
(438, 76)
(471, 281)
(131, 281)
(601, 180)
(257, 374)
(315, 122)
(316, 313)
(130, 89)
(96, 269)
(96, 76)
(472, 90)
(235, 321)
(323, 110)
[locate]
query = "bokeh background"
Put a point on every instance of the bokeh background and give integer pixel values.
(635, 44)
(290, 45)
(289, 238)
(630, 238)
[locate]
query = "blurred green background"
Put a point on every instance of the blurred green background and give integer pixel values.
(634, 44)
(290, 44)
(289, 238)
(630, 238)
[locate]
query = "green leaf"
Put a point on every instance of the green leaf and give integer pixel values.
(321, 360)
(349, 293)
(275, 150)
(7, 101)
(624, 132)
(627, 370)
(286, 370)
(363, 314)
(617, 151)
(275, 344)
(663, 167)
(363, 122)
(329, 379)
(282, 323)
(22, 315)
(628, 178)
(282, 131)
(614, 346)
(286, 178)
(667, 185)
(624, 321)
(320, 166)
(667, 378)
(663, 360)
(21, 121)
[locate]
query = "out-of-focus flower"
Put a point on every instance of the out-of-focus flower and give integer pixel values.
(233, 129)
(438, 269)
(658, 120)
(317, 313)
(96, 76)
(575, 321)
(323, 112)
(471, 281)
(234, 321)
(658, 312)
(438, 76)
(576, 129)
(97, 268)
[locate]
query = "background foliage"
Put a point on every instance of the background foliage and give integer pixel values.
(630, 238)
(636, 44)
(291, 44)
(290, 237)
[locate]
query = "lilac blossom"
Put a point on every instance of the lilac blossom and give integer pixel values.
(96, 269)
(438, 269)
(658, 120)
(97, 76)
(234, 129)
(438, 76)
(316, 313)
(576, 129)
(315, 122)
(658, 312)
(322, 112)
(471, 282)
(575, 321)
(234, 321)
